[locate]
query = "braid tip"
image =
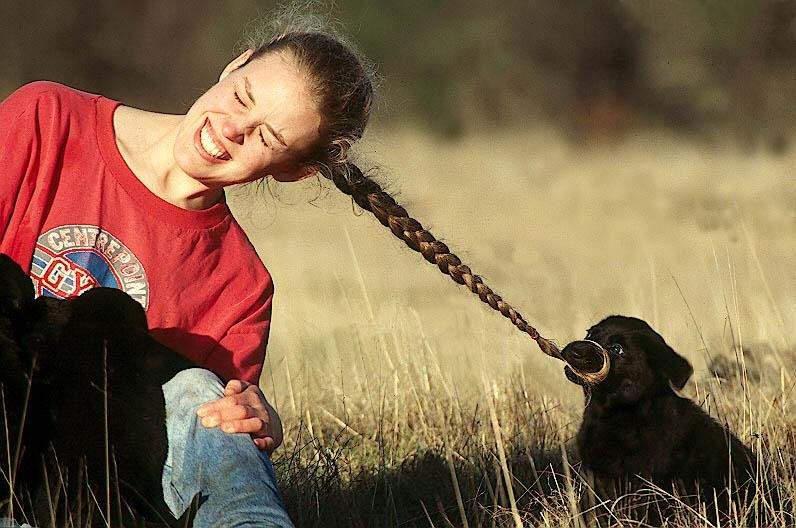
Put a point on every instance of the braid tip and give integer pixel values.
(549, 348)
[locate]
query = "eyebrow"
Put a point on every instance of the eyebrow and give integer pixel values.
(277, 135)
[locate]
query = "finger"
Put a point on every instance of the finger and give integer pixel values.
(249, 425)
(266, 444)
(235, 387)
(239, 412)
(230, 414)
(218, 405)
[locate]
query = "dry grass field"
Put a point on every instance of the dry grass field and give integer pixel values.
(407, 402)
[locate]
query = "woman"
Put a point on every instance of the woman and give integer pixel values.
(96, 193)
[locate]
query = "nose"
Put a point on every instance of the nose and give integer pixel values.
(233, 130)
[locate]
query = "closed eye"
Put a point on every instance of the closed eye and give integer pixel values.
(240, 102)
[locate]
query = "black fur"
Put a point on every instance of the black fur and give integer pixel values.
(636, 428)
(70, 351)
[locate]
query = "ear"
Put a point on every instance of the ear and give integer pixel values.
(665, 360)
(236, 63)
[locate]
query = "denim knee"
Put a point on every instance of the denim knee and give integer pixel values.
(195, 376)
(192, 388)
(236, 481)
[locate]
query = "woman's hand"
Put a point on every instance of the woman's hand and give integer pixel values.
(244, 409)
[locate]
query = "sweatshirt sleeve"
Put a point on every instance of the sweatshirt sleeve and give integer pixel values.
(241, 352)
(17, 133)
(27, 119)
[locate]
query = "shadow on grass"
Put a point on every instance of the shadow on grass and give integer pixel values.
(421, 490)
(547, 489)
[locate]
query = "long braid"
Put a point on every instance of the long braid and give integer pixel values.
(343, 89)
(370, 196)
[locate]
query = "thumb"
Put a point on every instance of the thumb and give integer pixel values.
(235, 387)
(264, 444)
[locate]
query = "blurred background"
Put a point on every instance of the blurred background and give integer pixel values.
(586, 157)
(595, 68)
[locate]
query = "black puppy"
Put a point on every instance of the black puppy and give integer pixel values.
(61, 364)
(636, 430)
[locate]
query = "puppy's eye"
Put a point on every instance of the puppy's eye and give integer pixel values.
(615, 348)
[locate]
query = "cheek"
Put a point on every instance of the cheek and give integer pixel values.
(250, 166)
(635, 378)
(208, 101)
(644, 372)
(633, 389)
(184, 149)
(253, 160)
(184, 152)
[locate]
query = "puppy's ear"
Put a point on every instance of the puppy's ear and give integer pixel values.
(666, 361)
(16, 288)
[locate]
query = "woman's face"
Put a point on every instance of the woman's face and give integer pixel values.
(256, 121)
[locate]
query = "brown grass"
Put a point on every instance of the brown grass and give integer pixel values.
(407, 403)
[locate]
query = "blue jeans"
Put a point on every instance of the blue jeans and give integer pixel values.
(235, 480)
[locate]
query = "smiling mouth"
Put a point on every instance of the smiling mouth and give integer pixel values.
(208, 146)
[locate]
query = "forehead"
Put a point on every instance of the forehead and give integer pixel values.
(282, 93)
(277, 73)
(617, 326)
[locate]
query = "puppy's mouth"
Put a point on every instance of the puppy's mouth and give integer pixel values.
(588, 363)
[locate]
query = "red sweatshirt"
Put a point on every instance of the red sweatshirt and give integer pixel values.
(75, 216)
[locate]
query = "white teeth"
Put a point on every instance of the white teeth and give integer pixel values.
(208, 143)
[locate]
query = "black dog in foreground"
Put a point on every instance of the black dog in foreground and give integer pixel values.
(65, 366)
(637, 431)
